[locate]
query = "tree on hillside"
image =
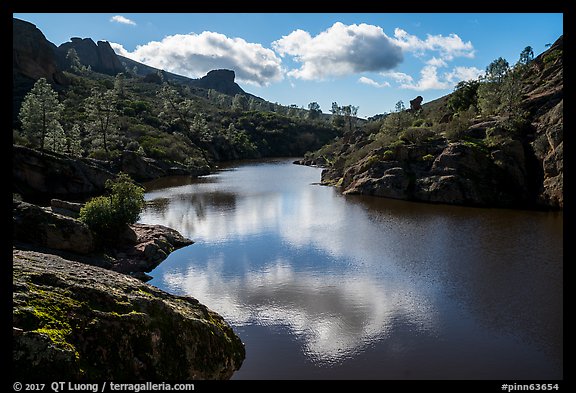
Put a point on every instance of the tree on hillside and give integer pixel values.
(200, 132)
(40, 115)
(490, 90)
(73, 146)
(501, 90)
(240, 103)
(120, 84)
(337, 115)
(102, 117)
(397, 121)
(349, 112)
(314, 111)
(526, 56)
(399, 107)
(56, 139)
(465, 95)
(497, 70)
(74, 60)
(175, 107)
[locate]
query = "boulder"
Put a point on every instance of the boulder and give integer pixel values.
(440, 189)
(138, 249)
(142, 247)
(140, 168)
(44, 175)
(462, 158)
(72, 321)
(41, 227)
(416, 103)
(66, 208)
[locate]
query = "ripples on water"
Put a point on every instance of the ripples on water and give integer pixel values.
(319, 285)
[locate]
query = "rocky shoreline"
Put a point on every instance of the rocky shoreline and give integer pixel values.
(83, 311)
(55, 230)
(73, 321)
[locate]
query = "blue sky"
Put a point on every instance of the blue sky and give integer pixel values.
(370, 60)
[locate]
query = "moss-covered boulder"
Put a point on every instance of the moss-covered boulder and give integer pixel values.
(76, 321)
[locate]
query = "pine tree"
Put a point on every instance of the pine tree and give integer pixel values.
(73, 145)
(101, 111)
(120, 85)
(56, 139)
(40, 113)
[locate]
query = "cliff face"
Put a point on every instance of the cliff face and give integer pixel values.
(35, 57)
(220, 80)
(32, 54)
(32, 58)
(100, 57)
(544, 99)
(73, 321)
(38, 175)
(41, 176)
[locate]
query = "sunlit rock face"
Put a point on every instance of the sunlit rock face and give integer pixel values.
(75, 321)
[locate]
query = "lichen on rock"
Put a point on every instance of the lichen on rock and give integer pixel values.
(77, 321)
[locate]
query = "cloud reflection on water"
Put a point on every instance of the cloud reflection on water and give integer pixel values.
(334, 316)
(342, 273)
(303, 267)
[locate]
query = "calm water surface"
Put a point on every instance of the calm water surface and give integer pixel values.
(324, 286)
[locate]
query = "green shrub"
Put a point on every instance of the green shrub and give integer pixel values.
(108, 215)
(417, 134)
(99, 154)
(98, 214)
(126, 197)
(552, 56)
(388, 155)
(465, 95)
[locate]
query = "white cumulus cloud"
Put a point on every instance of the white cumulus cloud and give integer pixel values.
(193, 55)
(123, 20)
(119, 49)
(428, 80)
(447, 47)
(431, 80)
(398, 77)
(372, 82)
(463, 74)
(340, 50)
(434, 61)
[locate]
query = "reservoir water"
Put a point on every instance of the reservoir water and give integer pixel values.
(324, 286)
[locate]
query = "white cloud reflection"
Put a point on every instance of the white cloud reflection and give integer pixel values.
(346, 298)
(335, 316)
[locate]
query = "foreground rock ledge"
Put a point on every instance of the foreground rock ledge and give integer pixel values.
(76, 321)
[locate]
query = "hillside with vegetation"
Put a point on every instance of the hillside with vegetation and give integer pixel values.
(495, 141)
(82, 100)
(84, 130)
(89, 125)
